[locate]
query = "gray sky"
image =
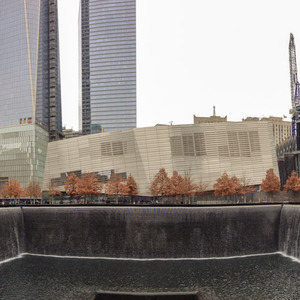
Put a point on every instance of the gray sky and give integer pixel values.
(194, 54)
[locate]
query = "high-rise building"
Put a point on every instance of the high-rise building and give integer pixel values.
(107, 65)
(29, 65)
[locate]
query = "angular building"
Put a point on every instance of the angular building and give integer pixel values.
(205, 151)
(29, 65)
(107, 65)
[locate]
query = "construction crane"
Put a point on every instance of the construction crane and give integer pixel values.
(295, 86)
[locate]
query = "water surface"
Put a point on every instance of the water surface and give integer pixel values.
(255, 277)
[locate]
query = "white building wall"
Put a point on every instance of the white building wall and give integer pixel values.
(205, 151)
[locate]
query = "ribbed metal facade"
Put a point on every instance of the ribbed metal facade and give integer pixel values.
(204, 151)
(108, 65)
(26, 76)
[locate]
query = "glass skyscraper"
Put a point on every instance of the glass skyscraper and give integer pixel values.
(107, 65)
(29, 65)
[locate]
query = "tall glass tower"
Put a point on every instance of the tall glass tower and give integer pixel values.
(107, 65)
(29, 65)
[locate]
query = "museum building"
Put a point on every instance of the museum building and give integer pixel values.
(203, 151)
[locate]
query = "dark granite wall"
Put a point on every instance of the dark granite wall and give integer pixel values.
(152, 232)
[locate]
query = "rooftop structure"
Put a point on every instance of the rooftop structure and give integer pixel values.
(211, 119)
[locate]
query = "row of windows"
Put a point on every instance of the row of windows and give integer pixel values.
(96, 93)
(114, 76)
(98, 10)
(113, 148)
(115, 56)
(112, 98)
(238, 144)
(128, 38)
(110, 21)
(116, 60)
(128, 66)
(117, 83)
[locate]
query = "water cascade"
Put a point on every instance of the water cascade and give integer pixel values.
(152, 232)
(11, 232)
(289, 233)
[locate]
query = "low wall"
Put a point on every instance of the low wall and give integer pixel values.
(150, 232)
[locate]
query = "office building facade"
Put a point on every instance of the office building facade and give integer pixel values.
(29, 65)
(23, 150)
(107, 31)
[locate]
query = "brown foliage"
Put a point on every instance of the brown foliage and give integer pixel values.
(88, 185)
(132, 186)
(271, 184)
(227, 186)
(12, 189)
(71, 187)
(202, 188)
(292, 183)
(123, 189)
(115, 186)
(247, 187)
(33, 190)
(177, 184)
(53, 191)
(190, 188)
(161, 184)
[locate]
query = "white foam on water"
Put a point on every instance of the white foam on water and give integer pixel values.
(297, 260)
(152, 259)
(11, 259)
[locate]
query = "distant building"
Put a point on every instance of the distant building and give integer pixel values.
(107, 35)
(282, 130)
(23, 150)
(70, 133)
(205, 151)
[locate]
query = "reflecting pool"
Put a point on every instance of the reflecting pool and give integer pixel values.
(254, 277)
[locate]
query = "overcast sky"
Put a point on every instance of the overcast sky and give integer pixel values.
(194, 54)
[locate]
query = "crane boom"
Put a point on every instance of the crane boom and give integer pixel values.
(293, 70)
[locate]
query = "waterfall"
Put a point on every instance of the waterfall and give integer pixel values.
(152, 232)
(11, 232)
(289, 232)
